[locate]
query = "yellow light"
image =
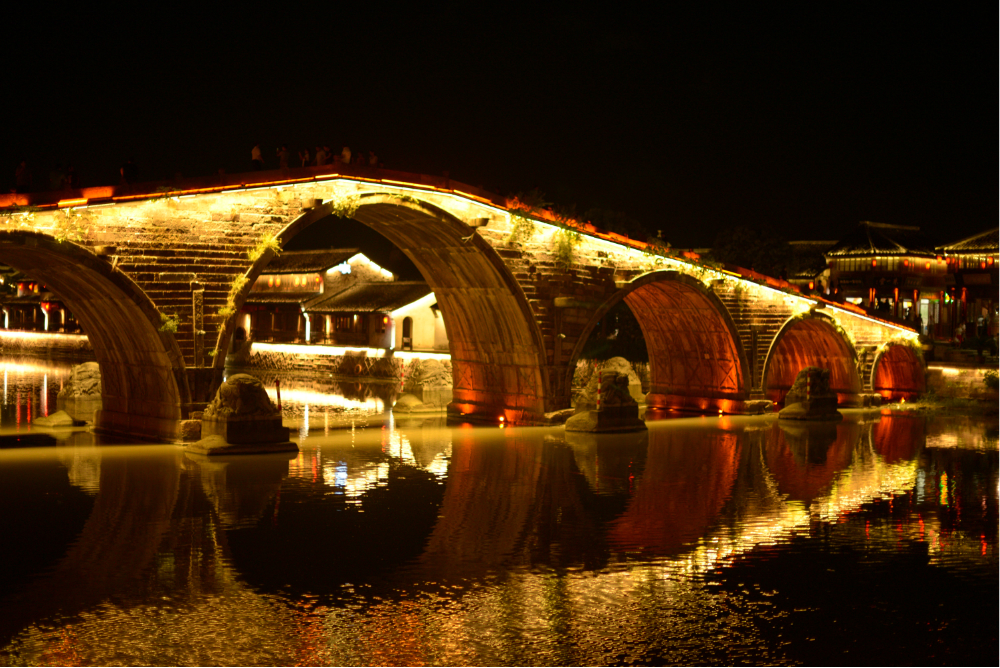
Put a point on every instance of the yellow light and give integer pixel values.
(63, 203)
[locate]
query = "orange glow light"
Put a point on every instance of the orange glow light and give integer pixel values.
(63, 203)
(873, 263)
(927, 265)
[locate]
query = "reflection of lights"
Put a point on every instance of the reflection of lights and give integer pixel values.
(339, 351)
(319, 399)
(298, 349)
(304, 429)
(48, 336)
(856, 486)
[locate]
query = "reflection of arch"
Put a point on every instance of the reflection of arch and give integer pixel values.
(898, 372)
(695, 358)
(688, 477)
(143, 383)
(812, 340)
(497, 352)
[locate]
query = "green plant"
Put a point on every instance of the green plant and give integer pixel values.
(405, 198)
(522, 229)
(268, 242)
(992, 379)
(564, 241)
(345, 206)
(169, 323)
(235, 287)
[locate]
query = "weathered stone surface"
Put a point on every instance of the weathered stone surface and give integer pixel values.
(757, 406)
(622, 417)
(559, 417)
(241, 396)
(190, 430)
(410, 403)
(586, 398)
(241, 419)
(430, 382)
(810, 397)
(810, 383)
(84, 382)
(57, 420)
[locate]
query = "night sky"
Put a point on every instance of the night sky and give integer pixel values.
(689, 121)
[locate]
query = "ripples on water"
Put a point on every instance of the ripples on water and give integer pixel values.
(400, 541)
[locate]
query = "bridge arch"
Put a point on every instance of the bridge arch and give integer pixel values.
(143, 384)
(696, 360)
(497, 351)
(812, 339)
(898, 371)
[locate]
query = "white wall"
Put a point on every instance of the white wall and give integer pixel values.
(428, 328)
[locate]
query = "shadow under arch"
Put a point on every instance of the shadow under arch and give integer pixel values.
(812, 339)
(143, 384)
(898, 372)
(696, 360)
(497, 351)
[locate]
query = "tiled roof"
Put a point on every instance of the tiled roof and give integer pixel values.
(372, 297)
(984, 242)
(279, 297)
(869, 239)
(303, 262)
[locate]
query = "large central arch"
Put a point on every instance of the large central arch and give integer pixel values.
(143, 386)
(695, 358)
(497, 351)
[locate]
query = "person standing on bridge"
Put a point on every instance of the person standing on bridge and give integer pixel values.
(129, 173)
(283, 157)
(256, 158)
(345, 155)
(304, 157)
(372, 159)
(321, 156)
(22, 177)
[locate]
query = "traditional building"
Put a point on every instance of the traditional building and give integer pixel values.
(971, 296)
(29, 306)
(892, 269)
(341, 298)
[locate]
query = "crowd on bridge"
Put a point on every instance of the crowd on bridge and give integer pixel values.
(64, 176)
(320, 156)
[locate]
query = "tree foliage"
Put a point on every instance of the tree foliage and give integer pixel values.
(762, 250)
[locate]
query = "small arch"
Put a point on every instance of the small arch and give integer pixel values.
(898, 372)
(144, 387)
(813, 339)
(696, 359)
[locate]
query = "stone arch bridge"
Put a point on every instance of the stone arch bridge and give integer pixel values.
(157, 277)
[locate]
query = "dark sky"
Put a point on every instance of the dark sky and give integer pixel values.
(689, 120)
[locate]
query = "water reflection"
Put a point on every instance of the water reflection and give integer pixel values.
(413, 543)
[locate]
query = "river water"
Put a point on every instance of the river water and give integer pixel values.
(406, 542)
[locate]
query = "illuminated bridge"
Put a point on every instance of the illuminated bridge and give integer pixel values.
(157, 278)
